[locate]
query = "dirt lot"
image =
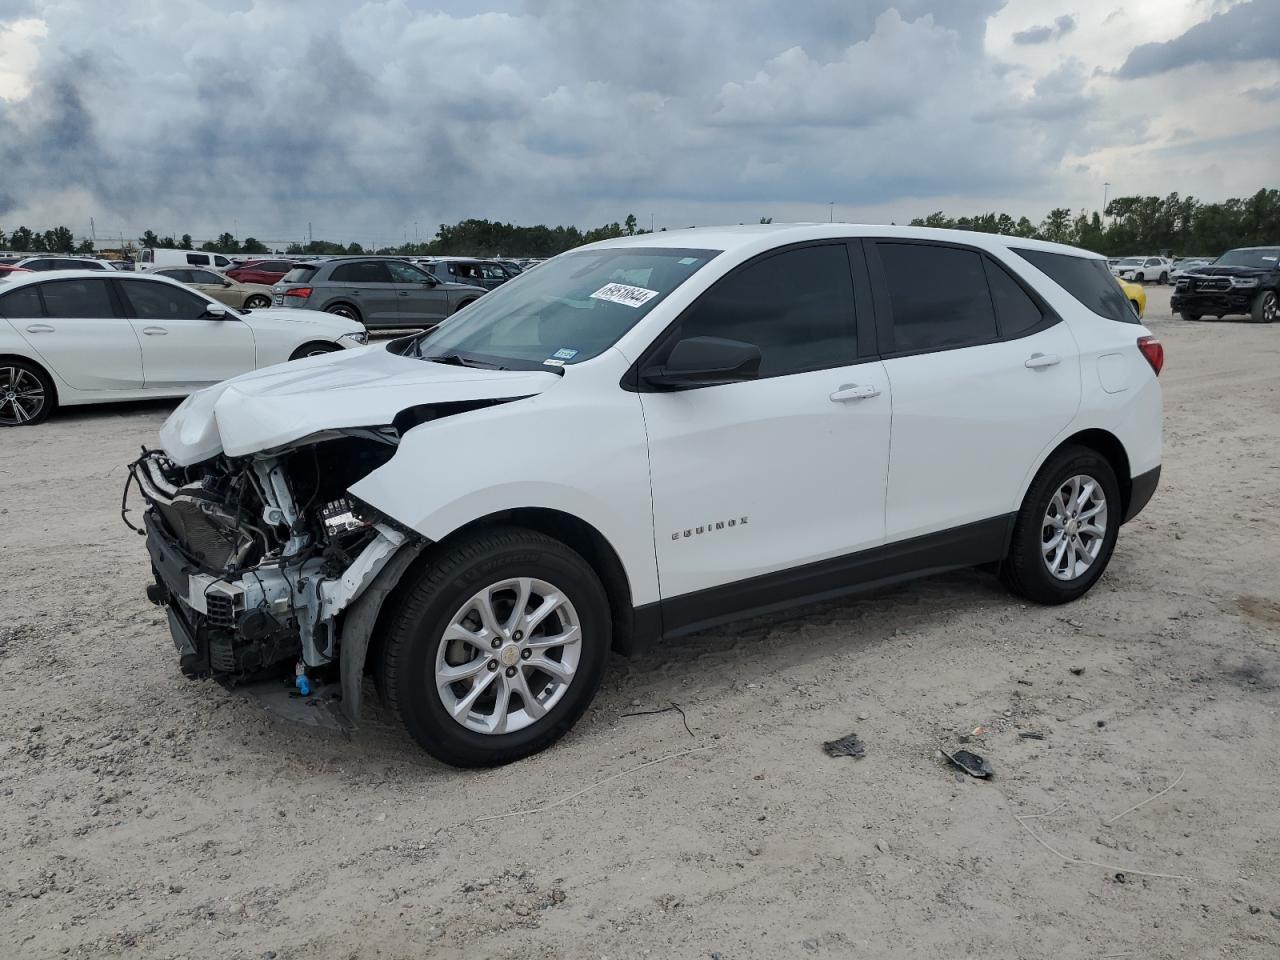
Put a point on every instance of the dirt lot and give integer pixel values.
(142, 815)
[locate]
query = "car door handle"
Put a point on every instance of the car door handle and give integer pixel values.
(1038, 360)
(39, 328)
(155, 331)
(404, 293)
(853, 391)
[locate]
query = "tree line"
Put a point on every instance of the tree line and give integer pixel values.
(1129, 225)
(1142, 225)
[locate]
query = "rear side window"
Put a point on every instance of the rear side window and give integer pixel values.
(938, 295)
(162, 301)
(1015, 310)
(21, 303)
(198, 259)
(796, 306)
(367, 271)
(299, 275)
(183, 275)
(1088, 280)
(78, 299)
(203, 276)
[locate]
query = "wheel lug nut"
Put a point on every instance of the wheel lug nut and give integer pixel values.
(496, 642)
(518, 636)
(493, 664)
(511, 671)
(526, 653)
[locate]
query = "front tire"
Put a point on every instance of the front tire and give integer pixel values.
(497, 647)
(1139, 278)
(1188, 315)
(314, 350)
(257, 302)
(27, 394)
(1164, 278)
(1066, 529)
(1264, 307)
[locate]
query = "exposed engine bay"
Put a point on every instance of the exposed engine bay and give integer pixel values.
(256, 558)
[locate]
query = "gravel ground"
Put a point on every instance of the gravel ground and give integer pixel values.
(142, 815)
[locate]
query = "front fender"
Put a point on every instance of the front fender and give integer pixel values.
(580, 449)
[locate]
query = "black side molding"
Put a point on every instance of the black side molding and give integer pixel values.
(967, 546)
(1141, 489)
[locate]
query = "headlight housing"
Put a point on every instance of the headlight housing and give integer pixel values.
(1244, 282)
(360, 337)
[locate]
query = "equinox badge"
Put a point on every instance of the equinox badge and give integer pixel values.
(708, 528)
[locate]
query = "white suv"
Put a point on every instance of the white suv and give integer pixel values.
(646, 437)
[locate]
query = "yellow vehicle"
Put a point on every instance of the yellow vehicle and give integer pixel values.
(1136, 295)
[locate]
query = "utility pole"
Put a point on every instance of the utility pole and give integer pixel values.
(831, 211)
(651, 223)
(1105, 187)
(309, 238)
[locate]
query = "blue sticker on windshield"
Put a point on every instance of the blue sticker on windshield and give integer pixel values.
(686, 261)
(564, 353)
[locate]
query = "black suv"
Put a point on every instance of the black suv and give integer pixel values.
(1244, 281)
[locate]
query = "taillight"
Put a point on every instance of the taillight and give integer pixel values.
(1153, 350)
(304, 292)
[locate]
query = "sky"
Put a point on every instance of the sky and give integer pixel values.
(376, 121)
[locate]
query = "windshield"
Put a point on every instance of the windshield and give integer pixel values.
(1260, 258)
(570, 309)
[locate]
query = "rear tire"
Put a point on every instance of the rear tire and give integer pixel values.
(257, 302)
(314, 350)
(455, 722)
(345, 310)
(27, 395)
(1188, 315)
(1164, 278)
(1265, 307)
(1139, 278)
(1062, 542)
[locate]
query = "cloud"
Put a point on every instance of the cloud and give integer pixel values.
(1264, 94)
(1248, 31)
(1043, 34)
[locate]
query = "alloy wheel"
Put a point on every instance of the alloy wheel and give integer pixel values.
(1074, 527)
(22, 396)
(1270, 308)
(508, 655)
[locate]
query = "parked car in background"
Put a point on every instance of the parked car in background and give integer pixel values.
(480, 273)
(1144, 269)
(267, 272)
(1245, 281)
(605, 453)
(381, 292)
(168, 257)
(87, 337)
(52, 261)
(1136, 294)
(1182, 267)
(7, 268)
(251, 296)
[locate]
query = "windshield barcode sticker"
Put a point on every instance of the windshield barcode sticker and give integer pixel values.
(624, 294)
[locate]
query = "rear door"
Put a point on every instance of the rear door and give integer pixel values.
(84, 336)
(368, 285)
(182, 348)
(787, 470)
(422, 303)
(984, 376)
(213, 285)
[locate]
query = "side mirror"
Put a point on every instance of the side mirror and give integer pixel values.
(215, 311)
(430, 281)
(705, 362)
(226, 283)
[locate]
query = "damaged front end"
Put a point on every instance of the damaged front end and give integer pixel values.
(258, 559)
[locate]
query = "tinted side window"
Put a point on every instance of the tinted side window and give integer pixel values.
(81, 265)
(162, 301)
(299, 275)
(1015, 310)
(403, 273)
(183, 275)
(78, 299)
(21, 303)
(200, 259)
(796, 306)
(39, 265)
(938, 295)
(204, 276)
(367, 271)
(1086, 279)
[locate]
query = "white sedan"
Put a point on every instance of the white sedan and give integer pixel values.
(82, 336)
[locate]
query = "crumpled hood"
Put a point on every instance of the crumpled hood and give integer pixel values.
(355, 388)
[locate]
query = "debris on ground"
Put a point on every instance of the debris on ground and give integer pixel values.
(1031, 734)
(849, 746)
(970, 763)
(1077, 670)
